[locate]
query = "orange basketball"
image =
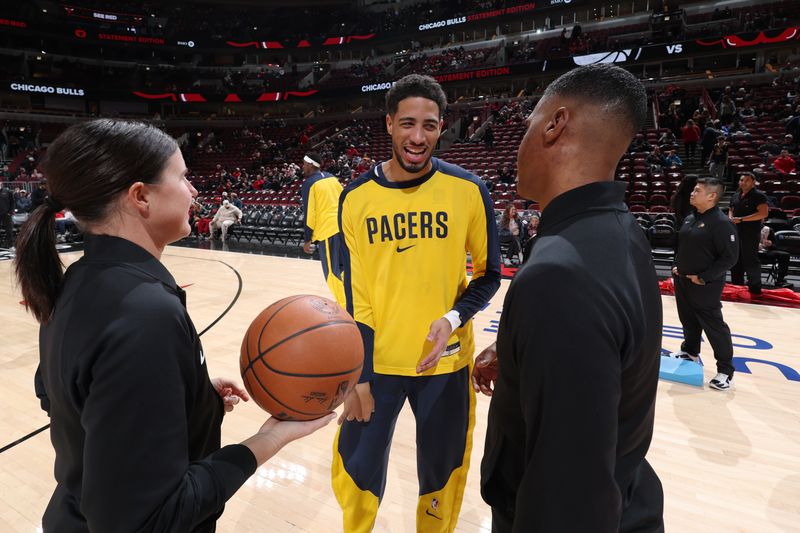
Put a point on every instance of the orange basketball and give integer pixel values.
(300, 357)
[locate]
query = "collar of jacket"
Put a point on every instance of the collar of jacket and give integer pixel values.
(597, 196)
(105, 248)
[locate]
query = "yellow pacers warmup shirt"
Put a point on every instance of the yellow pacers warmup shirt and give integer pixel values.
(320, 194)
(405, 263)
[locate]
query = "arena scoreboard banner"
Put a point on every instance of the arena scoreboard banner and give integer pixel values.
(625, 56)
(476, 17)
(34, 88)
(658, 52)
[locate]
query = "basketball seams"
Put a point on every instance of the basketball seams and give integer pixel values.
(296, 334)
(295, 375)
(288, 408)
(281, 308)
(250, 361)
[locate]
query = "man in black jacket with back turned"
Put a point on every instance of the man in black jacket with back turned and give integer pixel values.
(578, 347)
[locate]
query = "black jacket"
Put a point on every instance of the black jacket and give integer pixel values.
(135, 421)
(708, 245)
(571, 417)
(6, 201)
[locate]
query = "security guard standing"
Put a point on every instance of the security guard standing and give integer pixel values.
(708, 248)
(748, 209)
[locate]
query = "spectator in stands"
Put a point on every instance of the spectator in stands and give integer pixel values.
(488, 137)
(709, 139)
(226, 216)
(38, 195)
(531, 231)
(23, 201)
(236, 201)
(747, 210)
(767, 253)
(747, 111)
(639, 144)
(769, 148)
(202, 218)
(655, 160)
(672, 160)
(690, 134)
(789, 145)
(7, 205)
(785, 163)
(510, 232)
(718, 160)
(505, 175)
(487, 180)
(793, 126)
(667, 139)
(727, 109)
(65, 223)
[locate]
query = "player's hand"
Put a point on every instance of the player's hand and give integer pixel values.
(307, 247)
(439, 333)
(675, 271)
(359, 404)
(694, 278)
(230, 392)
(484, 374)
(285, 431)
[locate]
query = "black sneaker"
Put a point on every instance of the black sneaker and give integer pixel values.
(721, 382)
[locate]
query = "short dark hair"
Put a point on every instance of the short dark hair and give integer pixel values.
(614, 87)
(415, 85)
(748, 174)
(714, 184)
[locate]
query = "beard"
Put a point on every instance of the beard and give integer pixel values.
(411, 169)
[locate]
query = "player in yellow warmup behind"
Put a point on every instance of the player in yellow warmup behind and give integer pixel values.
(320, 192)
(407, 225)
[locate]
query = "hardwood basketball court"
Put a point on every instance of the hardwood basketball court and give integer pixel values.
(729, 461)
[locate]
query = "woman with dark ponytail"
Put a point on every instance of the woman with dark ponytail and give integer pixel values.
(135, 419)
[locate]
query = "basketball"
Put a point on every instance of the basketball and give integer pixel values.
(300, 357)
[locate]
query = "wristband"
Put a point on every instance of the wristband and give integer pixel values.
(454, 318)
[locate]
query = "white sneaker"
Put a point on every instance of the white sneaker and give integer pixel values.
(721, 382)
(686, 356)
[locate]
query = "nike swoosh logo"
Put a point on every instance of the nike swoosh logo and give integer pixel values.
(399, 249)
(427, 512)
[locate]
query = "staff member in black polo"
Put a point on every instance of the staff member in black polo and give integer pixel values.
(571, 416)
(134, 418)
(747, 210)
(708, 248)
(7, 204)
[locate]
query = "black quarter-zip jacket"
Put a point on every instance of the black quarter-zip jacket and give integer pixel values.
(572, 414)
(135, 420)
